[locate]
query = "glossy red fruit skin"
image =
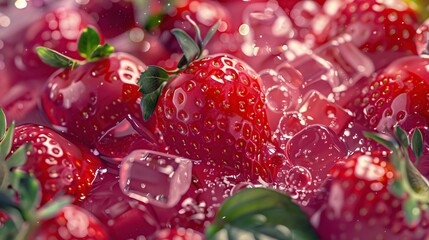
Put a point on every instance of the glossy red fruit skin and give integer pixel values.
(60, 165)
(204, 13)
(91, 99)
(215, 111)
(72, 222)
(177, 234)
(114, 17)
(384, 30)
(59, 30)
(360, 204)
(398, 95)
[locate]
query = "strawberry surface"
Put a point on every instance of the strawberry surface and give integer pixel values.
(89, 100)
(361, 205)
(60, 165)
(72, 222)
(397, 96)
(214, 110)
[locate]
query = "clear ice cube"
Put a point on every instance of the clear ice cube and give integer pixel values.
(154, 177)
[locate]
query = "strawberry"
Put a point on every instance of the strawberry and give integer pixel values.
(72, 222)
(377, 195)
(86, 99)
(205, 13)
(113, 17)
(398, 95)
(382, 29)
(210, 108)
(59, 165)
(177, 234)
(58, 29)
(23, 212)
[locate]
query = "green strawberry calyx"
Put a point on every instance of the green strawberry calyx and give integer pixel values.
(154, 78)
(409, 184)
(20, 193)
(421, 7)
(89, 47)
(260, 213)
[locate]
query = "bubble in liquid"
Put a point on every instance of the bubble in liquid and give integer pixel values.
(298, 177)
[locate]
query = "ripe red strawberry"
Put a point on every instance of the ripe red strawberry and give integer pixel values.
(59, 30)
(204, 13)
(114, 17)
(60, 165)
(72, 222)
(212, 109)
(177, 234)
(86, 99)
(24, 213)
(382, 29)
(398, 95)
(376, 195)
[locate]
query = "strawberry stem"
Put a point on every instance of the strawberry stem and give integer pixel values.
(409, 182)
(89, 47)
(154, 78)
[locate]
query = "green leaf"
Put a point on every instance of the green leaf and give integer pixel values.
(188, 45)
(19, 157)
(101, 52)
(29, 190)
(412, 210)
(89, 40)
(54, 58)
(151, 79)
(260, 213)
(387, 140)
(6, 202)
(402, 136)
(6, 143)
(197, 32)
(397, 189)
(182, 62)
(417, 143)
(210, 34)
(149, 101)
(3, 123)
(9, 230)
(52, 208)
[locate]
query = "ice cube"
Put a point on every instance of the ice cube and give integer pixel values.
(348, 60)
(154, 177)
(317, 109)
(280, 94)
(422, 38)
(316, 148)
